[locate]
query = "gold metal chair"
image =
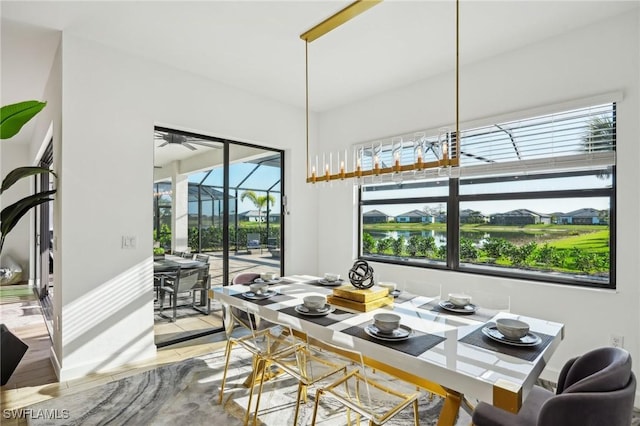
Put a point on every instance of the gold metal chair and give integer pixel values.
(377, 400)
(264, 343)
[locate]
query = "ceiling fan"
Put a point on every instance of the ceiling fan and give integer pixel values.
(168, 138)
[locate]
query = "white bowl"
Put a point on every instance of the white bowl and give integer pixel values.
(268, 276)
(314, 301)
(331, 277)
(386, 322)
(258, 288)
(459, 299)
(512, 328)
(387, 284)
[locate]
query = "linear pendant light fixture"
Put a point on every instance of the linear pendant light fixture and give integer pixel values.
(367, 159)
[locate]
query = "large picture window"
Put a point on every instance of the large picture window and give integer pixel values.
(533, 199)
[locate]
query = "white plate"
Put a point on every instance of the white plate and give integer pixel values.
(303, 310)
(448, 306)
(255, 296)
(330, 283)
(492, 332)
(402, 333)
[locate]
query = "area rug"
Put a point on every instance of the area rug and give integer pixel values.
(187, 393)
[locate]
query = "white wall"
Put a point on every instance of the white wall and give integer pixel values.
(600, 59)
(110, 103)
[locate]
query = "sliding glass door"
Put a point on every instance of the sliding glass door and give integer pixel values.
(221, 199)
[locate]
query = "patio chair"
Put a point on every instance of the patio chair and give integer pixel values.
(159, 278)
(185, 281)
(253, 241)
(202, 258)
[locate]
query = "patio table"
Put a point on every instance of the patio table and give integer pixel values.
(171, 261)
(447, 353)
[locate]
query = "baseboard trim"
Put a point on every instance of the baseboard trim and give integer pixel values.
(97, 366)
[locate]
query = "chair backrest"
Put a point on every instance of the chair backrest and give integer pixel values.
(202, 258)
(187, 255)
(245, 278)
(253, 240)
(267, 337)
(596, 388)
(600, 370)
(189, 279)
(203, 278)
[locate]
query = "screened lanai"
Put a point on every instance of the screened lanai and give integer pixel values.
(218, 197)
(254, 206)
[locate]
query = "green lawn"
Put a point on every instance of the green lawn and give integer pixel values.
(593, 242)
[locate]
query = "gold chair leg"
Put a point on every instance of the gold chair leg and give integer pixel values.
(255, 413)
(226, 369)
(416, 416)
(315, 407)
(252, 387)
(295, 416)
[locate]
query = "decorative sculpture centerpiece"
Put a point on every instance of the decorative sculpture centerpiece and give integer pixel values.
(361, 275)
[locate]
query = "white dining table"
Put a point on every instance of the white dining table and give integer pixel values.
(459, 363)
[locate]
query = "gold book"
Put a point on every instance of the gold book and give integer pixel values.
(360, 295)
(360, 306)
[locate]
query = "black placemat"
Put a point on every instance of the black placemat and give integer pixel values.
(415, 345)
(273, 299)
(528, 353)
(332, 318)
(481, 314)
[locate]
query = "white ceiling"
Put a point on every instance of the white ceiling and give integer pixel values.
(255, 45)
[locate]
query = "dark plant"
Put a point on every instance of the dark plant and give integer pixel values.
(12, 118)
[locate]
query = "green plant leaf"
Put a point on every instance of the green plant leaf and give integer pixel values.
(14, 116)
(22, 172)
(11, 215)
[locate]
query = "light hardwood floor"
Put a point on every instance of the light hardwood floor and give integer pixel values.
(34, 379)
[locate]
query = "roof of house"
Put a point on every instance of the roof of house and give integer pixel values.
(414, 213)
(375, 213)
(521, 212)
(586, 212)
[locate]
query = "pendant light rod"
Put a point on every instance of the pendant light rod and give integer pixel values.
(339, 18)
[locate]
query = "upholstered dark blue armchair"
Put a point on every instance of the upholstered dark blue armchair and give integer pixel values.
(595, 389)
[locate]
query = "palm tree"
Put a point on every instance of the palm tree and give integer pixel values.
(259, 201)
(600, 136)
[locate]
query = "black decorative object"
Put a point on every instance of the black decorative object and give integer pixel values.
(361, 275)
(13, 349)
